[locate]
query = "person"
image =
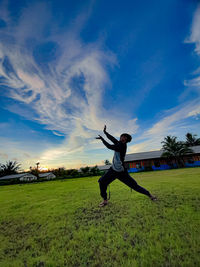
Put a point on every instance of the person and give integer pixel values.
(117, 169)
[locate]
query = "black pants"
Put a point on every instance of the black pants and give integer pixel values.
(124, 177)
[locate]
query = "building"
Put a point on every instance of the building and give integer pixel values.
(47, 175)
(153, 160)
(23, 177)
(104, 167)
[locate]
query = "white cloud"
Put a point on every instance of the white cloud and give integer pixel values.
(65, 92)
(195, 31)
(193, 85)
(14, 150)
(194, 112)
(58, 104)
(177, 121)
(4, 156)
(170, 122)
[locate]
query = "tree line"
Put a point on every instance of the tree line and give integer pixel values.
(13, 167)
(172, 149)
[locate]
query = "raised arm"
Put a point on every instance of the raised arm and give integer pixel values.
(116, 147)
(113, 139)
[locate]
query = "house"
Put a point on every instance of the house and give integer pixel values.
(47, 175)
(104, 167)
(153, 160)
(28, 177)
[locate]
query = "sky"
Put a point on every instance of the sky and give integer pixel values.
(67, 68)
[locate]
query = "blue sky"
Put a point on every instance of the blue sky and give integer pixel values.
(69, 67)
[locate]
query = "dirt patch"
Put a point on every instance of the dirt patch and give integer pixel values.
(95, 216)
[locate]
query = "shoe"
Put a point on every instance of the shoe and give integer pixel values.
(153, 198)
(104, 203)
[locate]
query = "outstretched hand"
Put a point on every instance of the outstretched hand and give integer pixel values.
(104, 130)
(99, 137)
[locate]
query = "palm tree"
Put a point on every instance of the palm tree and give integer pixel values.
(191, 140)
(11, 167)
(174, 149)
(37, 164)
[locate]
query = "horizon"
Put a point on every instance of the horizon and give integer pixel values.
(67, 69)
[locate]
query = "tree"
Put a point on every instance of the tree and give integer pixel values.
(1, 170)
(72, 173)
(107, 162)
(85, 171)
(11, 167)
(34, 171)
(94, 170)
(59, 172)
(174, 149)
(191, 140)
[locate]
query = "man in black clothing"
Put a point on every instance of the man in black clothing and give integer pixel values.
(118, 170)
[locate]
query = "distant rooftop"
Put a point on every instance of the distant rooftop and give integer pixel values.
(104, 167)
(45, 174)
(143, 155)
(16, 176)
(152, 154)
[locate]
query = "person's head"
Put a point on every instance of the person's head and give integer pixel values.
(125, 138)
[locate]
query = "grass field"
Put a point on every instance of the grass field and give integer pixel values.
(59, 223)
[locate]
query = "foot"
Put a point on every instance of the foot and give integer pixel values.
(153, 198)
(104, 203)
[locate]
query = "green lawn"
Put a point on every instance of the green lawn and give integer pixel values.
(59, 223)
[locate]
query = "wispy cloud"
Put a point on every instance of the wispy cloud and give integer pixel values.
(181, 119)
(193, 85)
(177, 121)
(58, 76)
(14, 151)
(195, 33)
(4, 156)
(170, 122)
